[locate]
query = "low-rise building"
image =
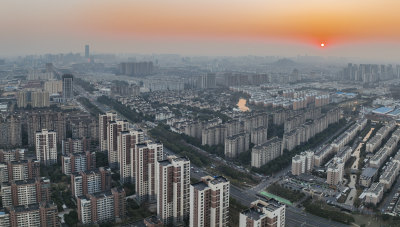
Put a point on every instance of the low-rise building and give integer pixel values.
(390, 174)
(368, 176)
(373, 194)
(321, 154)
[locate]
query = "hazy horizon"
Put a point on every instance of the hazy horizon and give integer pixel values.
(356, 29)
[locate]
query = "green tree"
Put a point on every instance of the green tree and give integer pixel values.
(71, 219)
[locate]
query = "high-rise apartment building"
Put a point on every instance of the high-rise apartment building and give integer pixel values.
(46, 147)
(25, 192)
(263, 213)
(10, 131)
(173, 190)
(19, 170)
(102, 207)
(209, 202)
(90, 181)
(126, 154)
(104, 119)
(38, 214)
(146, 156)
(113, 130)
(78, 162)
(68, 86)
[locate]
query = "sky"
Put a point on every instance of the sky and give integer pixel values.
(349, 28)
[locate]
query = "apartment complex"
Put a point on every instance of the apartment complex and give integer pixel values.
(25, 192)
(19, 170)
(37, 214)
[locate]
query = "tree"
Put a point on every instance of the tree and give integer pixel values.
(101, 159)
(71, 218)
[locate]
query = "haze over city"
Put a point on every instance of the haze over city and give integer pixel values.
(257, 113)
(359, 29)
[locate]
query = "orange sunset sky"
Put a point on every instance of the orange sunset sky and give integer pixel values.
(215, 27)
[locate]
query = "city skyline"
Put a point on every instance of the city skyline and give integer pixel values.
(349, 29)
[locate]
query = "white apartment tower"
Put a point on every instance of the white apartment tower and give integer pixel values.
(46, 147)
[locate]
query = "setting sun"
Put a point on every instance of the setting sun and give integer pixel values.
(322, 44)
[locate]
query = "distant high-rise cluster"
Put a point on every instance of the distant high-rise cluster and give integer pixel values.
(368, 73)
(34, 98)
(136, 68)
(206, 81)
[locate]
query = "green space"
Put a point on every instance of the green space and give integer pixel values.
(125, 111)
(85, 85)
(94, 110)
(292, 196)
(236, 177)
(278, 198)
(134, 212)
(284, 160)
(323, 210)
(101, 159)
(203, 114)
